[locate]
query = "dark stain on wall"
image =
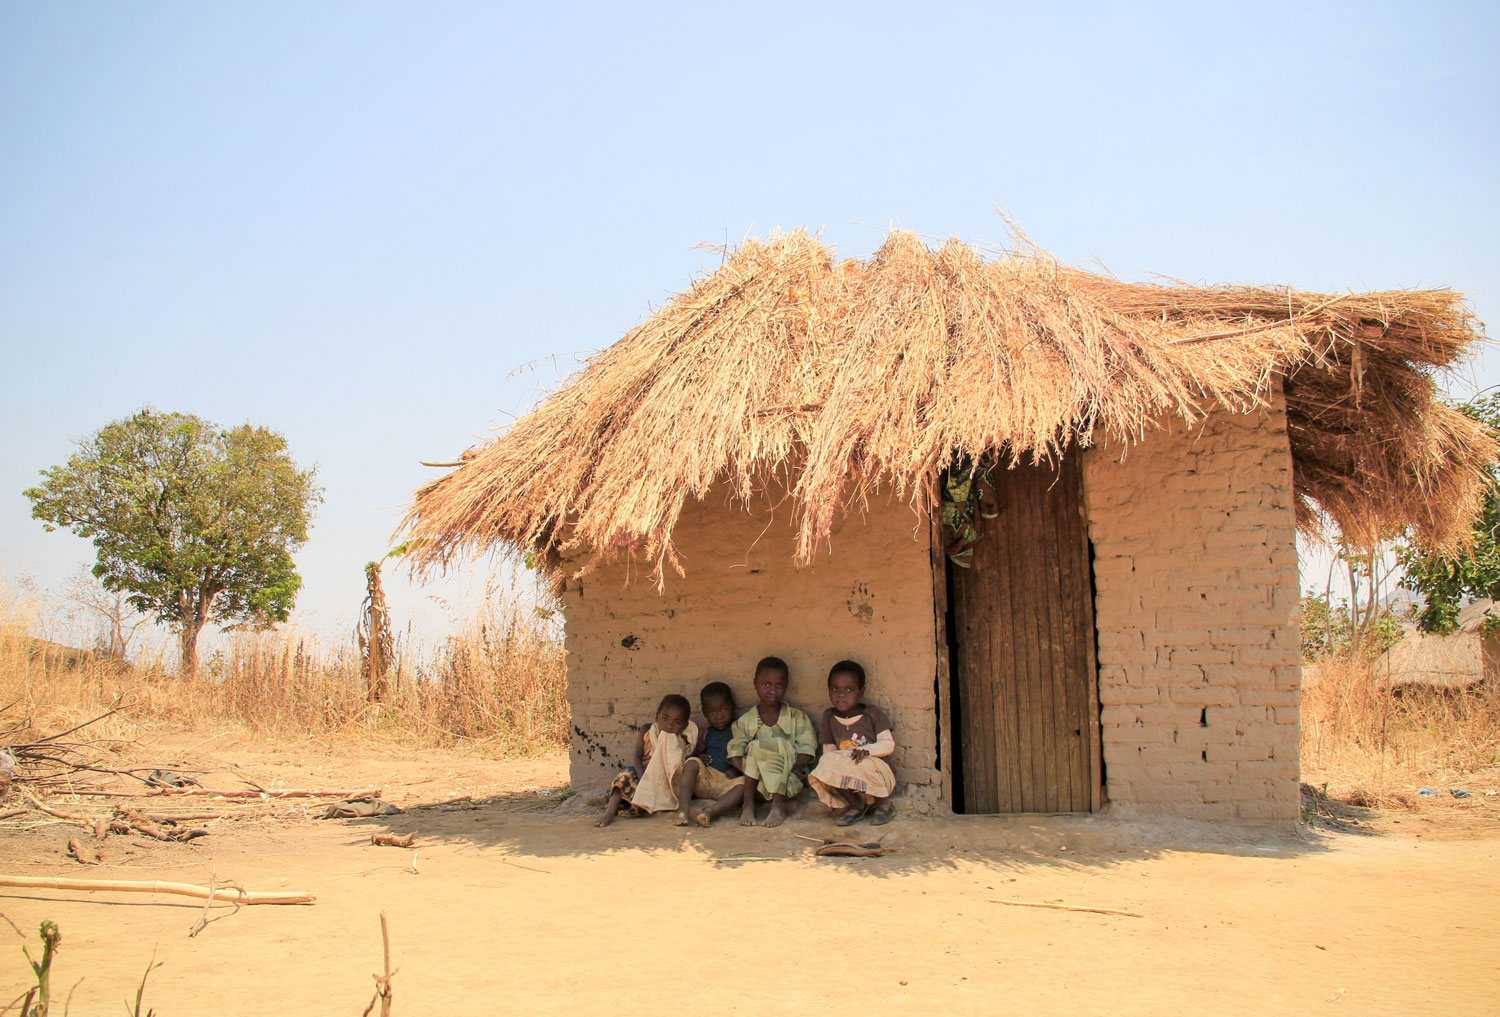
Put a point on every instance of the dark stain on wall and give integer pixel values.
(595, 751)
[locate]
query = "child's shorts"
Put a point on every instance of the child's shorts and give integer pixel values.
(713, 784)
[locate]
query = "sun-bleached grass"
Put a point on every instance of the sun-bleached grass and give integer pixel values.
(1377, 747)
(499, 681)
(837, 378)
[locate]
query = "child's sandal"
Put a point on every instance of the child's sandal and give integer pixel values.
(852, 816)
(883, 816)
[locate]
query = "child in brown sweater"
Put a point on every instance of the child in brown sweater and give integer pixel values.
(852, 774)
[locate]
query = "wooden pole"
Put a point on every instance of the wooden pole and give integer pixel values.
(228, 894)
(1063, 907)
(159, 792)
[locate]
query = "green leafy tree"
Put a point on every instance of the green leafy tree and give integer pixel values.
(195, 523)
(1330, 627)
(1445, 580)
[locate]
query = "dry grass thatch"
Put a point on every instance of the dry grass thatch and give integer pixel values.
(836, 378)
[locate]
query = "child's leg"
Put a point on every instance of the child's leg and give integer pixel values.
(685, 782)
(619, 793)
(611, 809)
(732, 798)
(747, 807)
(829, 795)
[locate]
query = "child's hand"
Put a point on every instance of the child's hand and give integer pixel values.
(858, 754)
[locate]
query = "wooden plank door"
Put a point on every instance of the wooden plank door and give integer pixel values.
(1027, 716)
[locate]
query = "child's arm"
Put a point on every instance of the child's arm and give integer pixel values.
(640, 750)
(739, 740)
(803, 739)
(885, 741)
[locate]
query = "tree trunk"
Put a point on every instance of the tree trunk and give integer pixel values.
(188, 635)
(375, 642)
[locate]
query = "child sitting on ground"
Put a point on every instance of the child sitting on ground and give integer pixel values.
(852, 773)
(650, 784)
(709, 774)
(770, 743)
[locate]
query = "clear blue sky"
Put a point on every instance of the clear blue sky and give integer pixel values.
(353, 222)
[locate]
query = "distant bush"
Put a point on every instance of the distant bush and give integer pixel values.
(500, 680)
(1329, 630)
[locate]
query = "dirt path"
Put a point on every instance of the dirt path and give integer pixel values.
(537, 912)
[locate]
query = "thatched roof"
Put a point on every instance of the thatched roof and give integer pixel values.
(838, 377)
(1455, 660)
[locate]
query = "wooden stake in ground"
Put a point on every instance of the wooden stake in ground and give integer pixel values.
(228, 894)
(383, 982)
(1064, 907)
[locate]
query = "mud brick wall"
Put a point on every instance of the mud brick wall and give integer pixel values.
(1196, 586)
(742, 599)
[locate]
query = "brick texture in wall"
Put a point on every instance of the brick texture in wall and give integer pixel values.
(1196, 593)
(742, 599)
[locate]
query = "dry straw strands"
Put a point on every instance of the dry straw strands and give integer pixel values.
(838, 378)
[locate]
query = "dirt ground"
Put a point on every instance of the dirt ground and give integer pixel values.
(512, 903)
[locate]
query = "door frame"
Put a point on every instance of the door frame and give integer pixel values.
(943, 680)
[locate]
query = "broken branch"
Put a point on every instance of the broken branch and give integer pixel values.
(391, 840)
(1064, 907)
(231, 895)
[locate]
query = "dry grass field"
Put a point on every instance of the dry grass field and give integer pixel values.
(510, 901)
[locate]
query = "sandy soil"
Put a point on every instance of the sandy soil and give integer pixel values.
(518, 905)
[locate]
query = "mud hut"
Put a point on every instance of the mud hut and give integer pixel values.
(1053, 513)
(1460, 660)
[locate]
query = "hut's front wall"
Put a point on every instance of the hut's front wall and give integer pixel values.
(1196, 595)
(743, 599)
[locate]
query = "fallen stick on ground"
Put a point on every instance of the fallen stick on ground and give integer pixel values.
(183, 817)
(391, 840)
(231, 895)
(12, 813)
(846, 839)
(83, 855)
(1064, 907)
(159, 792)
(67, 817)
(846, 849)
(126, 821)
(748, 858)
(528, 868)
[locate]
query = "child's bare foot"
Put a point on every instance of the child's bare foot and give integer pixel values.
(747, 814)
(777, 814)
(682, 818)
(611, 809)
(699, 817)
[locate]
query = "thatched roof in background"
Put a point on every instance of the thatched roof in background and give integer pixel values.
(1455, 660)
(838, 377)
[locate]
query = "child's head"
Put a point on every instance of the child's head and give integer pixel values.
(717, 702)
(772, 676)
(846, 683)
(673, 713)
